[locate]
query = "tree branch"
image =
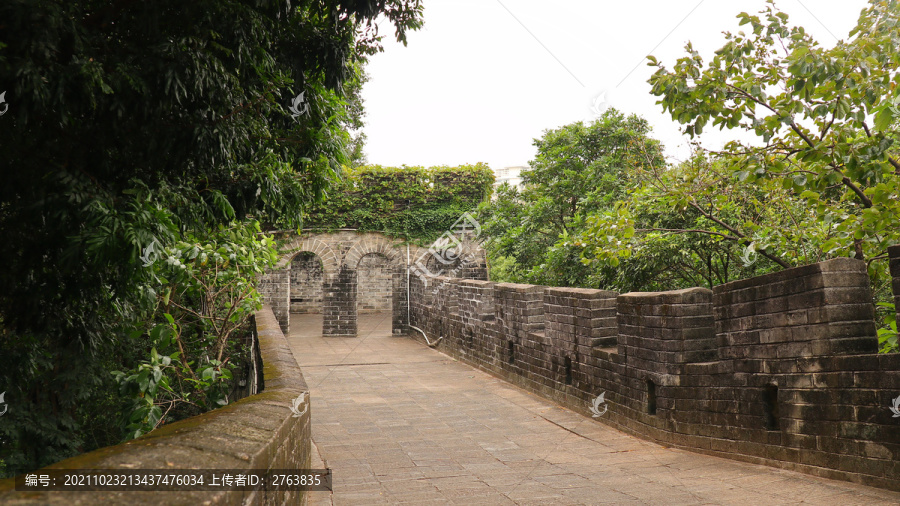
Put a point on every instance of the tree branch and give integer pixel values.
(833, 116)
(688, 230)
(866, 201)
(892, 161)
(739, 235)
(895, 164)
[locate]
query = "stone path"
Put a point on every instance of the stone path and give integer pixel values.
(400, 423)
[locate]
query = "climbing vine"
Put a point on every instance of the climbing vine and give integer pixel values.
(413, 203)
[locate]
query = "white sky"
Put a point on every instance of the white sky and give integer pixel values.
(474, 85)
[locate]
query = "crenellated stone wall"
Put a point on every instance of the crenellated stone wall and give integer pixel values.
(819, 309)
(275, 288)
(780, 369)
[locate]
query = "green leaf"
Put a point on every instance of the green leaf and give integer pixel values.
(884, 119)
(143, 381)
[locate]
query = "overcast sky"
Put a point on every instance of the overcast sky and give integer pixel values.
(483, 78)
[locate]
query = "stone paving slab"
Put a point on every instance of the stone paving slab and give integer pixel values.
(400, 423)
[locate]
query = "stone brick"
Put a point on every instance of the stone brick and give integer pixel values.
(356, 272)
(711, 356)
(257, 432)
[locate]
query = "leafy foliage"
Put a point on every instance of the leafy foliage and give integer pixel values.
(823, 178)
(887, 335)
(672, 231)
(811, 107)
(141, 127)
(579, 170)
(206, 295)
(414, 203)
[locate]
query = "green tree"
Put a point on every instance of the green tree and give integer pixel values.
(134, 126)
(668, 232)
(826, 119)
(578, 170)
(206, 295)
(825, 162)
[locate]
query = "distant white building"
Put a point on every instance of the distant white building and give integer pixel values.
(511, 175)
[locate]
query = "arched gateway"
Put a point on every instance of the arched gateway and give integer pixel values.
(320, 273)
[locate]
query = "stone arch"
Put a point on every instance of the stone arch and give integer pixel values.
(340, 253)
(278, 284)
(376, 244)
(331, 261)
(368, 244)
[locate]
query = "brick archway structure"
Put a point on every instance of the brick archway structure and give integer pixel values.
(377, 244)
(315, 245)
(340, 253)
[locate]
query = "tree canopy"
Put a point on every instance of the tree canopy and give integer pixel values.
(822, 178)
(826, 120)
(578, 170)
(153, 128)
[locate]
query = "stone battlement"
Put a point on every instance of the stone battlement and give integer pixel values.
(780, 369)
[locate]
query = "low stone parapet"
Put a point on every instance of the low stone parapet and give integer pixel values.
(259, 432)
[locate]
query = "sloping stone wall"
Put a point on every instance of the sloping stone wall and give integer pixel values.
(256, 432)
(780, 369)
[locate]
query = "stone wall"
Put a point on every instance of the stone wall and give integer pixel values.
(307, 276)
(360, 272)
(780, 369)
(375, 290)
(256, 432)
(275, 288)
(339, 309)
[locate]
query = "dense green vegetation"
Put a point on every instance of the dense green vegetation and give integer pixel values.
(150, 146)
(146, 146)
(413, 203)
(583, 183)
(822, 180)
(579, 170)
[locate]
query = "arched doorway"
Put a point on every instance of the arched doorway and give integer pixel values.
(324, 273)
(375, 278)
(307, 276)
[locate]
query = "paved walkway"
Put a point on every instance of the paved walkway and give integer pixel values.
(400, 423)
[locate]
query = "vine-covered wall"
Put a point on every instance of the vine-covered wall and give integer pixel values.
(414, 203)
